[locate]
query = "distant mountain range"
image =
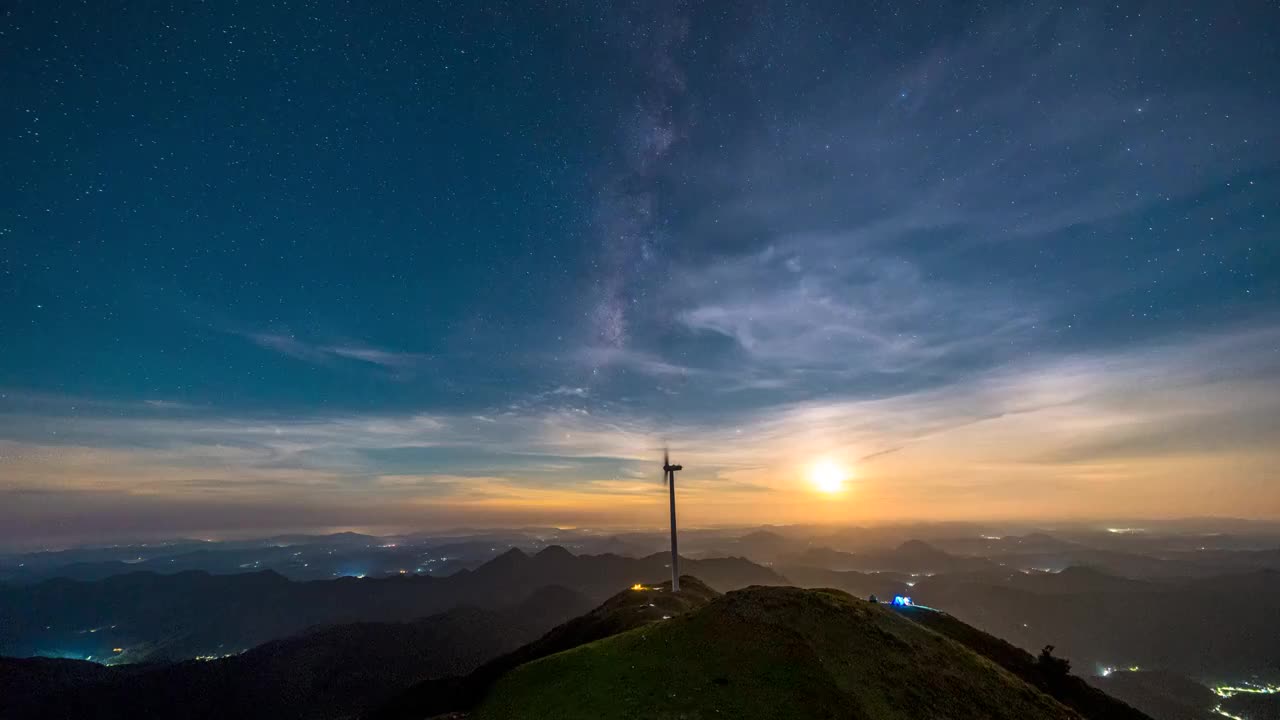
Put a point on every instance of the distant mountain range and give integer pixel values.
(1103, 599)
(150, 616)
(328, 672)
(912, 557)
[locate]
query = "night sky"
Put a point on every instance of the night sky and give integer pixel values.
(287, 265)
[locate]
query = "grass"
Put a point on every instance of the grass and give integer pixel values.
(1070, 690)
(770, 653)
(624, 611)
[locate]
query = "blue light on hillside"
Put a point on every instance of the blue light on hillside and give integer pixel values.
(902, 600)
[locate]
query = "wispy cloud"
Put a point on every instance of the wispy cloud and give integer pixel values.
(168, 405)
(814, 306)
(1097, 425)
(634, 360)
(321, 353)
(912, 266)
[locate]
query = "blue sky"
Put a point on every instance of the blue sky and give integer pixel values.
(281, 264)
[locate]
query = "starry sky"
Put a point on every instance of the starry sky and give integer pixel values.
(272, 264)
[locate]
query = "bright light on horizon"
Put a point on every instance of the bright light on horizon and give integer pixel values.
(828, 477)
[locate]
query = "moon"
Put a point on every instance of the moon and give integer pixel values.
(827, 477)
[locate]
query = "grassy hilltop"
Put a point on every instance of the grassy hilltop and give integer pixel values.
(770, 652)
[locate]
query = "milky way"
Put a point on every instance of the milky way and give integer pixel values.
(335, 265)
(629, 212)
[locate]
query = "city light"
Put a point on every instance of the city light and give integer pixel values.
(1227, 691)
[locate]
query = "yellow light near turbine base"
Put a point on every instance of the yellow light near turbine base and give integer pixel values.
(827, 477)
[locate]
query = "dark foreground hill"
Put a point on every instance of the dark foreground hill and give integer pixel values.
(771, 653)
(329, 672)
(1068, 689)
(762, 652)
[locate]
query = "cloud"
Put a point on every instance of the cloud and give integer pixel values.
(323, 354)
(168, 405)
(634, 360)
(989, 199)
(936, 268)
(384, 358)
(1090, 432)
(978, 139)
(847, 313)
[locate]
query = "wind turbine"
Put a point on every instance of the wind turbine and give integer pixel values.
(669, 479)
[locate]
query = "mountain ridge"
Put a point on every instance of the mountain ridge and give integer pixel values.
(172, 616)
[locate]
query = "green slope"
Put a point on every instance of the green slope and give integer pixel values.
(1069, 690)
(770, 652)
(624, 611)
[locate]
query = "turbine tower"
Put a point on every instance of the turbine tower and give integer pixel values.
(669, 479)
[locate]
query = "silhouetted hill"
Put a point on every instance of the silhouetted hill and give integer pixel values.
(27, 681)
(912, 557)
(762, 545)
(153, 616)
(859, 584)
(327, 672)
(770, 653)
(1073, 580)
(1079, 579)
(628, 609)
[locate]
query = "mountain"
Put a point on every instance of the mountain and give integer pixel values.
(770, 652)
(152, 616)
(629, 609)
(761, 545)
(328, 672)
(758, 652)
(1075, 580)
(26, 682)
(883, 585)
(912, 557)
